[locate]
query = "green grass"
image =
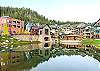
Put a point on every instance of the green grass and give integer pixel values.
(14, 41)
(23, 43)
(97, 43)
(94, 42)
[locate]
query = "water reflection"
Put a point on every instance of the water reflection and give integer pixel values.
(66, 63)
(45, 57)
(32, 46)
(15, 61)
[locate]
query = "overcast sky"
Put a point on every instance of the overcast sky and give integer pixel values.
(63, 10)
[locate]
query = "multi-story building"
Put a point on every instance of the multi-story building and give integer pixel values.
(80, 29)
(71, 40)
(88, 32)
(10, 26)
(42, 31)
(97, 29)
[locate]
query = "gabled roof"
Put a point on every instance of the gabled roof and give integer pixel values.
(82, 25)
(40, 26)
(98, 21)
(29, 24)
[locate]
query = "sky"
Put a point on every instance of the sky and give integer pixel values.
(63, 10)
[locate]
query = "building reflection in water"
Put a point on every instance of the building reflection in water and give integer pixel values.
(9, 58)
(33, 46)
(26, 56)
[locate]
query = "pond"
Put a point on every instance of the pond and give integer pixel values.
(47, 57)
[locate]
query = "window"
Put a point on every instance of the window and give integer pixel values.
(74, 38)
(40, 51)
(18, 22)
(46, 31)
(46, 45)
(9, 21)
(87, 30)
(14, 22)
(10, 25)
(18, 26)
(98, 36)
(97, 31)
(14, 26)
(14, 31)
(2, 25)
(98, 24)
(40, 32)
(36, 31)
(46, 38)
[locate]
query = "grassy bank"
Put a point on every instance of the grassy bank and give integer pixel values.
(94, 42)
(8, 40)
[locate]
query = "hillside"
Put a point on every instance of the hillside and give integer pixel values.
(28, 15)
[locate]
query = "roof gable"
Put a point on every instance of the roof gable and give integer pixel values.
(40, 26)
(97, 23)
